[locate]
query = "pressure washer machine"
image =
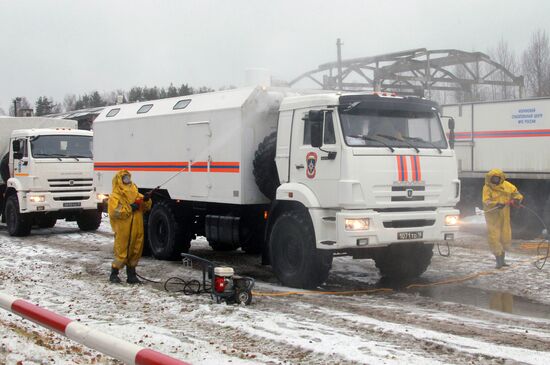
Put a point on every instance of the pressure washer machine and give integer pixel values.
(224, 285)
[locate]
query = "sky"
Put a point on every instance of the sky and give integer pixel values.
(59, 47)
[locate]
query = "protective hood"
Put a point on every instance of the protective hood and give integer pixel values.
(129, 192)
(495, 172)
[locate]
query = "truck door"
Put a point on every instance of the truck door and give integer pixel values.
(199, 158)
(317, 168)
(20, 156)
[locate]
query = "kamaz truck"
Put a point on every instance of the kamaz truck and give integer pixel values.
(47, 174)
(300, 177)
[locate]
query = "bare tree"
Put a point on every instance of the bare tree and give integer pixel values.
(536, 64)
(69, 102)
(504, 55)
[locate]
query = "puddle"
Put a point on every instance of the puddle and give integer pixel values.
(488, 299)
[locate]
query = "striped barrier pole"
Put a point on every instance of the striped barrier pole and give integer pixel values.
(124, 351)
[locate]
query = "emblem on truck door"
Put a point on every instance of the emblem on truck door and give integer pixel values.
(311, 161)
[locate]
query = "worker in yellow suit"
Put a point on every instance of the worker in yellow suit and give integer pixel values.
(126, 208)
(498, 196)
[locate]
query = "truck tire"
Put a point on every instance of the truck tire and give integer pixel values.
(294, 258)
(167, 237)
(89, 220)
(265, 169)
(5, 167)
(401, 262)
(46, 221)
(19, 225)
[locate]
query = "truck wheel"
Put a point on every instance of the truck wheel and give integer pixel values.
(5, 168)
(19, 225)
(167, 238)
(294, 258)
(403, 261)
(89, 220)
(265, 169)
(47, 221)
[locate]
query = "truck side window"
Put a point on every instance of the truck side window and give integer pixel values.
(307, 132)
(328, 134)
(23, 147)
(328, 131)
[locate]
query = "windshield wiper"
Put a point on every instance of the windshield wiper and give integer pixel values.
(49, 155)
(400, 140)
(366, 138)
(424, 141)
(351, 106)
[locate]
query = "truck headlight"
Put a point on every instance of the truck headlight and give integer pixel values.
(102, 197)
(451, 220)
(37, 198)
(357, 224)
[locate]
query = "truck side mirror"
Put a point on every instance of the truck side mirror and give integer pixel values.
(316, 128)
(451, 126)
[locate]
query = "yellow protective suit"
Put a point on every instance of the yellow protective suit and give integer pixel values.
(127, 225)
(498, 220)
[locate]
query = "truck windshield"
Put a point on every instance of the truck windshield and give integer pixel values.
(59, 146)
(391, 123)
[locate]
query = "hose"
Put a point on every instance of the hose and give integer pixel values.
(188, 287)
(543, 245)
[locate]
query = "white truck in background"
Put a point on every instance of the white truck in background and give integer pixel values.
(297, 177)
(512, 135)
(47, 174)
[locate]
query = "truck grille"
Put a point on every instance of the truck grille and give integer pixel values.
(408, 223)
(65, 198)
(71, 185)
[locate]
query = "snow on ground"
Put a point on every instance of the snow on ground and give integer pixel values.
(501, 317)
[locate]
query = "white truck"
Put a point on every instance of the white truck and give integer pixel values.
(297, 177)
(47, 174)
(512, 135)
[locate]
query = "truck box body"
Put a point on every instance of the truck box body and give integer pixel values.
(212, 139)
(514, 136)
(511, 135)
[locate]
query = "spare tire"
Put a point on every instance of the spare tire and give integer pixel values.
(265, 169)
(5, 167)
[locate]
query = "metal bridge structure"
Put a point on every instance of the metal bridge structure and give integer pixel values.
(416, 72)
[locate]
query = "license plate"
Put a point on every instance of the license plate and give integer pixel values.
(409, 235)
(71, 204)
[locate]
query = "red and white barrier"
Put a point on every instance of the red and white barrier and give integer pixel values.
(109, 345)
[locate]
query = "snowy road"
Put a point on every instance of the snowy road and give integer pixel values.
(497, 318)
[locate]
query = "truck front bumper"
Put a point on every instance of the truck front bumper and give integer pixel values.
(48, 202)
(385, 228)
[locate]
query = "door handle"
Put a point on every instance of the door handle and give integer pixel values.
(301, 166)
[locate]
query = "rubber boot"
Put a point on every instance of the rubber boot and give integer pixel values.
(132, 277)
(113, 278)
(499, 261)
(502, 259)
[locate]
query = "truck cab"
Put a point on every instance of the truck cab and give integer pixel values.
(50, 177)
(372, 176)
